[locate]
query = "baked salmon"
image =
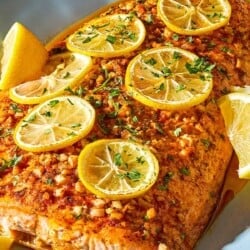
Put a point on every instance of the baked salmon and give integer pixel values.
(44, 205)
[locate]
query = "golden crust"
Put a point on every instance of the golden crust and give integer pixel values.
(36, 231)
(42, 201)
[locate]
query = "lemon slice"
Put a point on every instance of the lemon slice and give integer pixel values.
(245, 89)
(70, 68)
(117, 169)
(194, 17)
(23, 57)
(5, 242)
(108, 36)
(55, 124)
(169, 78)
(235, 108)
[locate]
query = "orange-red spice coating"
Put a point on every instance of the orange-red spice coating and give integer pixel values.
(175, 212)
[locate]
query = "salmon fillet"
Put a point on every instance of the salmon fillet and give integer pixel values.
(44, 205)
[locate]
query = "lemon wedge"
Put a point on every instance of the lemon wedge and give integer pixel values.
(69, 69)
(55, 124)
(194, 17)
(6, 242)
(235, 108)
(244, 89)
(108, 36)
(169, 78)
(117, 169)
(23, 57)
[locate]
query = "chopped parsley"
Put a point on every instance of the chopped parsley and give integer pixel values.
(111, 39)
(211, 44)
(49, 181)
(118, 159)
(151, 61)
(160, 88)
(89, 38)
(76, 125)
(44, 90)
(47, 113)
(149, 19)
(135, 119)
(95, 102)
(102, 86)
(216, 15)
(132, 36)
(190, 39)
(155, 74)
(206, 142)
(31, 118)
(166, 71)
(185, 171)
(66, 75)
(15, 108)
(53, 103)
(226, 49)
(71, 133)
(70, 101)
(199, 65)
(4, 133)
(80, 91)
(180, 87)
(133, 175)
(95, 27)
(165, 181)
(10, 163)
(223, 71)
(159, 128)
(175, 37)
(176, 55)
(130, 130)
(114, 92)
(140, 159)
(101, 123)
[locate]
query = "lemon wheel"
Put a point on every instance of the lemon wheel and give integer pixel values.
(68, 69)
(194, 17)
(117, 169)
(108, 36)
(55, 124)
(169, 78)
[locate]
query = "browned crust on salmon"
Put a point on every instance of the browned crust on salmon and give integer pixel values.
(43, 203)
